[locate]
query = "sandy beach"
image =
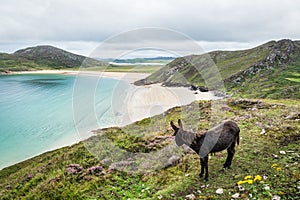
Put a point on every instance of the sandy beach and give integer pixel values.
(129, 77)
(137, 102)
(147, 101)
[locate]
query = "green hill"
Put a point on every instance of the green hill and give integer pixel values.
(44, 57)
(273, 67)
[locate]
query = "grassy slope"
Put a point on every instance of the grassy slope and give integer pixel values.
(10, 62)
(274, 80)
(254, 156)
(282, 81)
(44, 57)
(228, 63)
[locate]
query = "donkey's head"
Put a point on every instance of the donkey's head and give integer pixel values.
(182, 136)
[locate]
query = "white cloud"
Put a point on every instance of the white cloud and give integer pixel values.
(69, 22)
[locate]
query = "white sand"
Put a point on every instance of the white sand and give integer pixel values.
(147, 101)
(129, 77)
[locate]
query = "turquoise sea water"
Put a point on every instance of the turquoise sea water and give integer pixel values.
(36, 113)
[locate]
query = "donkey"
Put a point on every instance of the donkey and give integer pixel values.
(223, 136)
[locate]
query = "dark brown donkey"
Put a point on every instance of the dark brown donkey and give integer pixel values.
(224, 136)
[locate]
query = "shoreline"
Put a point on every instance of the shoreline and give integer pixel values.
(140, 102)
(126, 76)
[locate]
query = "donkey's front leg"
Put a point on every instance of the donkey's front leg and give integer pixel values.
(204, 166)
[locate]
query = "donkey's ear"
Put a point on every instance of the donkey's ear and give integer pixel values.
(180, 124)
(173, 126)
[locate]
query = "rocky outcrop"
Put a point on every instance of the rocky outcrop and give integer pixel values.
(280, 53)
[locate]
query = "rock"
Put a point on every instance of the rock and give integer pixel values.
(193, 88)
(276, 197)
(275, 156)
(263, 131)
(190, 196)
(203, 89)
(219, 191)
(187, 149)
(236, 195)
(173, 160)
(241, 188)
(282, 152)
(267, 187)
(237, 80)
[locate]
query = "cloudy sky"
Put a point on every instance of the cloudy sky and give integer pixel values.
(81, 26)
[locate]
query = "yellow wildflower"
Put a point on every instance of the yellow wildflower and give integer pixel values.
(274, 166)
(250, 181)
(257, 178)
(248, 177)
(279, 169)
(241, 182)
(281, 193)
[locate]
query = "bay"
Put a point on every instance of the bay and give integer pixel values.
(37, 113)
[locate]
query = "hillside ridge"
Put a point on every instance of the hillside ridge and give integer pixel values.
(44, 57)
(236, 68)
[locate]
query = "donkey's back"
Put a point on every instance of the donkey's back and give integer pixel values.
(223, 136)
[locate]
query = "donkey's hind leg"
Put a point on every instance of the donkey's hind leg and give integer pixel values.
(202, 167)
(230, 154)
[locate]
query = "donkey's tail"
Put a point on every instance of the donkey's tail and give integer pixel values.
(238, 136)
